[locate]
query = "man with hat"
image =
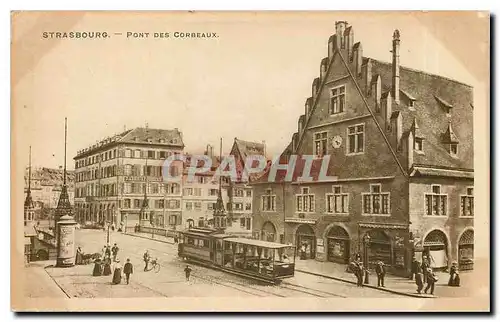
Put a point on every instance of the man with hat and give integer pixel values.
(128, 269)
(431, 280)
(380, 270)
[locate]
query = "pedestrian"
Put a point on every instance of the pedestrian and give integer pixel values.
(97, 268)
(360, 273)
(146, 258)
(115, 250)
(431, 280)
(187, 270)
(175, 239)
(380, 270)
(414, 267)
(117, 273)
(454, 277)
(113, 227)
(425, 266)
(303, 251)
(358, 257)
(107, 267)
(103, 251)
(79, 256)
(128, 269)
(419, 280)
(107, 252)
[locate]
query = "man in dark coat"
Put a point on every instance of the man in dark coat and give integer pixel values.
(380, 270)
(431, 280)
(425, 267)
(146, 258)
(187, 270)
(419, 280)
(414, 267)
(128, 269)
(360, 272)
(114, 250)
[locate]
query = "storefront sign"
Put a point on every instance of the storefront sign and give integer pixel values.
(320, 242)
(320, 249)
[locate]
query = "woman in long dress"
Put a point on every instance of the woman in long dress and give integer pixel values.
(79, 257)
(117, 275)
(107, 267)
(454, 277)
(97, 268)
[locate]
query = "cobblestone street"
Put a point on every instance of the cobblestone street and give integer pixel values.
(170, 281)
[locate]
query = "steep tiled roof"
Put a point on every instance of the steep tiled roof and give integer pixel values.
(158, 136)
(247, 148)
(50, 177)
(431, 93)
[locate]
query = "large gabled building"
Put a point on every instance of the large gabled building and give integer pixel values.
(401, 172)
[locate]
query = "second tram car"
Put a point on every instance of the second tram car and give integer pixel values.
(257, 259)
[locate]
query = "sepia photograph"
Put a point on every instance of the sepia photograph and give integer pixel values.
(250, 161)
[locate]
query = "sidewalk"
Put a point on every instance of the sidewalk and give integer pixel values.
(164, 239)
(393, 284)
(38, 284)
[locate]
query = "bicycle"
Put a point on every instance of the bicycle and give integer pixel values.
(155, 266)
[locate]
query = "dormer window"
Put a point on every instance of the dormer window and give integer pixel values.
(419, 144)
(453, 149)
(410, 103)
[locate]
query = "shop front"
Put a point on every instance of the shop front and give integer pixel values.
(305, 242)
(466, 250)
(377, 245)
(436, 249)
(338, 245)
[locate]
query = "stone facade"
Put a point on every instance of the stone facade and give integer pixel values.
(391, 136)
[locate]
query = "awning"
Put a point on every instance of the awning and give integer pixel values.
(382, 226)
(432, 172)
(297, 220)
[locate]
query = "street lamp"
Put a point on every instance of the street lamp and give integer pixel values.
(107, 238)
(366, 241)
(125, 228)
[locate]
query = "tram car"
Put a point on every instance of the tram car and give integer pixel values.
(256, 259)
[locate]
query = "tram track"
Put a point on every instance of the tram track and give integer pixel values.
(256, 290)
(283, 290)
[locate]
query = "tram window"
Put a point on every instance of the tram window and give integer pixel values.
(205, 243)
(190, 241)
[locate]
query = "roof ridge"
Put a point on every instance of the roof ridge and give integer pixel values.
(420, 71)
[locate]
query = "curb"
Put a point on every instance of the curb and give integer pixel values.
(145, 237)
(367, 285)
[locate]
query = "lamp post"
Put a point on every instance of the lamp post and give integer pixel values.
(125, 228)
(366, 241)
(107, 234)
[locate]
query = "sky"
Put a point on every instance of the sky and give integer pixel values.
(251, 82)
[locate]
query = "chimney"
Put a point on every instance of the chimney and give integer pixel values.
(349, 41)
(340, 27)
(395, 66)
(358, 57)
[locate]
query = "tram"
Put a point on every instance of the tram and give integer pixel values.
(256, 259)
